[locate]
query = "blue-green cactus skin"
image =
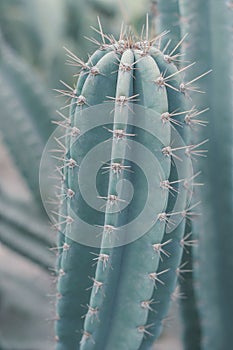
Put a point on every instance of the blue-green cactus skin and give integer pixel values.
(118, 310)
(209, 26)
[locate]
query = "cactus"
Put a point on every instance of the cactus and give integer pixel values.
(209, 24)
(126, 279)
(168, 19)
(120, 314)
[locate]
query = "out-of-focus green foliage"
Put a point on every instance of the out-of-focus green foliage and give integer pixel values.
(38, 29)
(33, 33)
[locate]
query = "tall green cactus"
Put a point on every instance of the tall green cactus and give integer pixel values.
(122, 277)
(209, 24)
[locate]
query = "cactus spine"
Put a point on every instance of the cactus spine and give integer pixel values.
(122, 289)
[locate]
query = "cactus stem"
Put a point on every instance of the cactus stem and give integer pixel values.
(107, 288)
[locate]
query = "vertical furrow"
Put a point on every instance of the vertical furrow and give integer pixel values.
(140, 260)
(171, 253)
(108, 269)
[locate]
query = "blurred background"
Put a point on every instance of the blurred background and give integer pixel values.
(32, 61)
